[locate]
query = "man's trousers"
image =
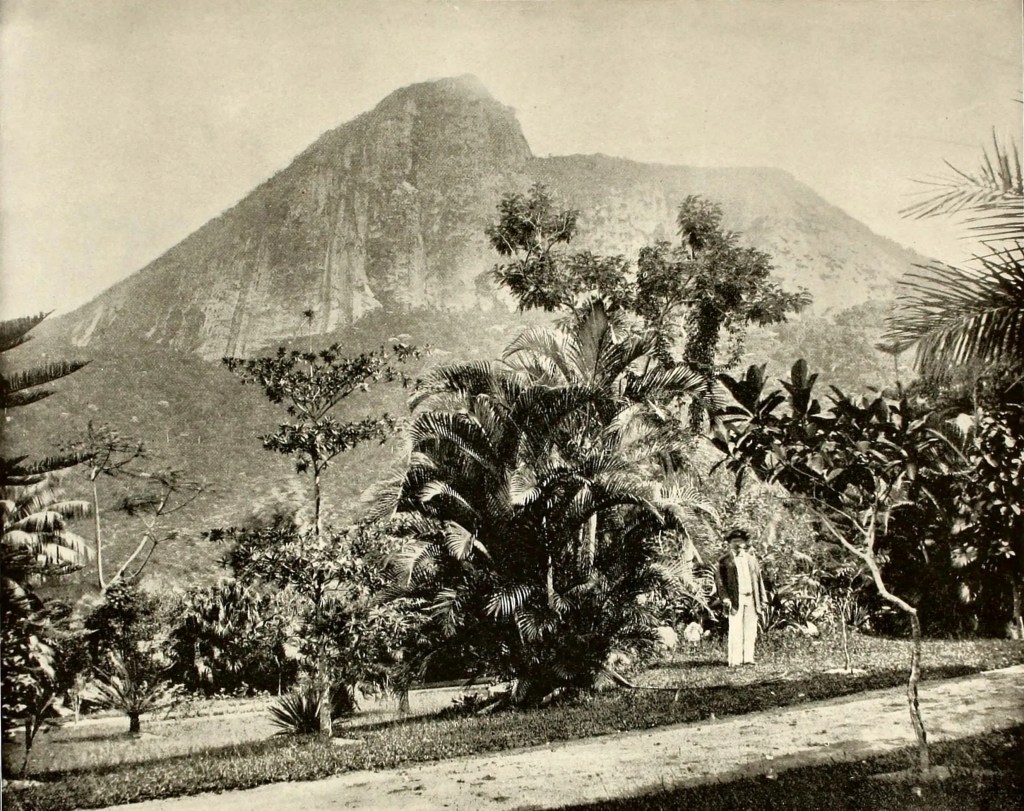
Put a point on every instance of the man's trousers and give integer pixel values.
(742, 631)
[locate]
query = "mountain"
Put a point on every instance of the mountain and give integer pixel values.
(388, 212)
(378, 227)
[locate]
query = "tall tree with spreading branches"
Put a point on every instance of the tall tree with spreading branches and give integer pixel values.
(311, 386)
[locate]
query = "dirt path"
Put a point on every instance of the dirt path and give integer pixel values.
(615, 765)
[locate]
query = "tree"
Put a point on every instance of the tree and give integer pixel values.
(631, 391)
(510, 464)
(957, 316)
(311, 386)
(133, 685)
(857, 466)
(125, 641)
(157, 495)
(106, 454)
(344, 639)
(989, 532)
(707, 284)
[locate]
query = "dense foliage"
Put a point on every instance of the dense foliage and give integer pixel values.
(529, 477)
(35, 543)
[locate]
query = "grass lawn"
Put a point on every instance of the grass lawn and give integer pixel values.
(103, 766)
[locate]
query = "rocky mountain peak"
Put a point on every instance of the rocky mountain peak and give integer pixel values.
(389, 210)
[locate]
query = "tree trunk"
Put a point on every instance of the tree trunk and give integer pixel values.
(846, 638)
(316, 500)
(324, 689)
(99, 540)
(1017, 629)
(28, 746)
(868, 556)
(134, 723)
(923, 761)
(588, 544)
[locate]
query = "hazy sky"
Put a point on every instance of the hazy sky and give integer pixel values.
(125, 125)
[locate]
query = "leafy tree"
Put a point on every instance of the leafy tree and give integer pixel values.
(126, 621)
(126, 635)
(989, 536)
(344, 640)
(856, 465)
(311, 386)
(541, 273)
(707, 284)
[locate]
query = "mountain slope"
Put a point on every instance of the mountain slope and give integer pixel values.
(388, 212)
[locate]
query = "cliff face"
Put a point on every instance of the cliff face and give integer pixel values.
(388, 211)
(385, 211)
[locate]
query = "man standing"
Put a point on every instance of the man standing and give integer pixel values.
(738, 578)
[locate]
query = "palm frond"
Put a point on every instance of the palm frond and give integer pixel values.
(958, 316)
(544, 352)
(994, 194)
(506, 602)
(464, 379)
(14, 331)
(460, 542)
(446, 610)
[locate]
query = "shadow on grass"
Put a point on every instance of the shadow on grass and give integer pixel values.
(625, 709)
(986, 772)
(608, 713)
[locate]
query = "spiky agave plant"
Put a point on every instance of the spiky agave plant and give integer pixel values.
(298, 712)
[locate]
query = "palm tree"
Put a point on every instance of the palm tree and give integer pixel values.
(965, 316)
(631, 389)
(34, 527)
(511, 464)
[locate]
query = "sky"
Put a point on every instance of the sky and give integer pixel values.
(127, 124)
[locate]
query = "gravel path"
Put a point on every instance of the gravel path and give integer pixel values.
(615, 765)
